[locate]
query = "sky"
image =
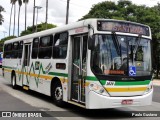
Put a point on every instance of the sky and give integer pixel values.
(56, 12)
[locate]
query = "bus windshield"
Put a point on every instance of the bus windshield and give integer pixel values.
(121, 55)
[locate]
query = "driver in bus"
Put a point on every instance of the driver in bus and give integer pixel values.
(96, 68)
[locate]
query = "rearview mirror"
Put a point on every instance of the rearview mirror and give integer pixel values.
(91, 42)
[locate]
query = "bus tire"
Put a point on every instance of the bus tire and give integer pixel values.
(57, 94)
(13, 81)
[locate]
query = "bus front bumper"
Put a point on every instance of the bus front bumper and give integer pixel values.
(97, 101)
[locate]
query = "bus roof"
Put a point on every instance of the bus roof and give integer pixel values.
(66, 27)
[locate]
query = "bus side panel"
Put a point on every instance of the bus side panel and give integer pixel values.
(33, 80)
(8, 66)
(7, 70)
(39, 79)
(61, 74)
(42, 71)
(18, 71)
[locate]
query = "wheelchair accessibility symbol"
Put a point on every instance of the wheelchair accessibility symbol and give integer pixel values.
(132, 71)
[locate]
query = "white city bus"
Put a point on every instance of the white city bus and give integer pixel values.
(94, 64)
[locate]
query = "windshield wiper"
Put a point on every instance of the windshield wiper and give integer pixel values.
(137, 43)
(116, 43)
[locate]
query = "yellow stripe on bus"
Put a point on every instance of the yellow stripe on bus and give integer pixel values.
(19, 72)
(87, 84)
(64, 80)
(134, 89)
(46, 77)
(33, 75)
(36, 75)
(7, 70)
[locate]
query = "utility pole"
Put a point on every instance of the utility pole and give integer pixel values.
(67, 11)
(14, 18)
(46, 12)
(38, 7)
(33, 16)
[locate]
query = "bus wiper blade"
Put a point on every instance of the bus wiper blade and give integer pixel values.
(116, 43)
(137, 43)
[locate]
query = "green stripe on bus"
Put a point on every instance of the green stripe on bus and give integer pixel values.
(41, 69)
(58, 74)
(7, 67)
(146, 82)
(91, 78)
(103, 82)
(117, 83)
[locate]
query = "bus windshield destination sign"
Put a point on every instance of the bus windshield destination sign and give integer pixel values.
(123, 27)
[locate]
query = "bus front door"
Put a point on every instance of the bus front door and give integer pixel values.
(26, 62)
(79, 52)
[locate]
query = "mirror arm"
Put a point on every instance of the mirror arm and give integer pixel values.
(90, 27)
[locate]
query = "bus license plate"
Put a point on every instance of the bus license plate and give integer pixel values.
(127, 102)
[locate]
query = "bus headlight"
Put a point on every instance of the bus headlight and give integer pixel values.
(149, 88)
(98, 89)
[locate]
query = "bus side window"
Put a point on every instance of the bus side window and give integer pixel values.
(8, 51)
(60, 45)
(20, 49)
(5, 49)
(15, 49)
(45, 47)
(35, 47)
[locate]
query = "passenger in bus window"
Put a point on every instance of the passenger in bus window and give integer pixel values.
(124, 64)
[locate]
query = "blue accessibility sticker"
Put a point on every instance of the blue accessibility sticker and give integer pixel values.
(132, 70)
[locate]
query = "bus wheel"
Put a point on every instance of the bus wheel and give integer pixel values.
(57, 94)
(14, 86)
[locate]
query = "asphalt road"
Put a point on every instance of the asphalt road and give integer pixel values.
(21, 101)
(156, 94)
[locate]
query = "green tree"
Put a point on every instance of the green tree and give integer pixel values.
(40, 27)
(1, 16)
(3, 40)
(126, 10)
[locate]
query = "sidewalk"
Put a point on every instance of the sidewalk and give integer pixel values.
(156, 82)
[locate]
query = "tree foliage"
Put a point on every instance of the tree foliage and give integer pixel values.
(126, 10)
(3, 40)
(40, 27)
(1, 16)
